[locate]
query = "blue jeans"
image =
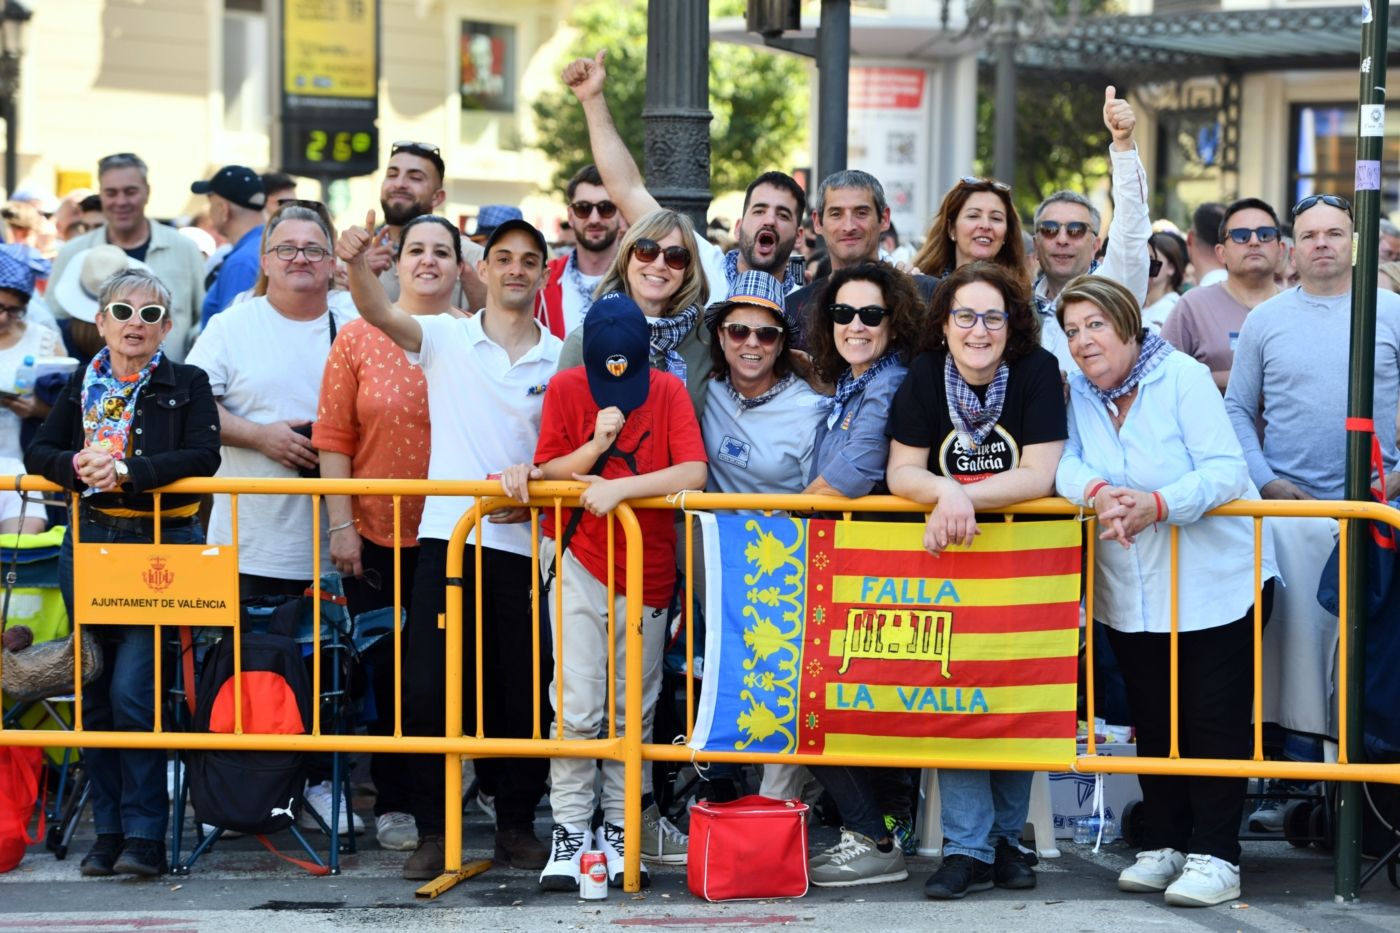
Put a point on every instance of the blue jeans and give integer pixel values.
(128, 785)
(981, 808)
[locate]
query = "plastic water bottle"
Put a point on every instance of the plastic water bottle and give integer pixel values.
(1086, 829)
(24, 377)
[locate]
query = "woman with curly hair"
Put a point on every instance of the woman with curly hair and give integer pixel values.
(976, 221)
(865, 328)
(979, 424)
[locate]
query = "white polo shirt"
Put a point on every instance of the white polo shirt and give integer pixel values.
(485, 415)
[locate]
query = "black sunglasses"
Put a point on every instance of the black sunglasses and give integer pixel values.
(677, 257)
(870, 315)
(122, 312)
(972, 181)
(1154, 268)
(1050, 229)
(1331, 200)
(767, 334)
(584, 209)
(1241, 235)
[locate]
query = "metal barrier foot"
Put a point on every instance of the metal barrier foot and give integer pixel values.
(445, 881)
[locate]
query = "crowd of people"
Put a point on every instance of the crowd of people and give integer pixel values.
(997, 365)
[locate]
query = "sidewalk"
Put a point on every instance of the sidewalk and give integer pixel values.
(1285, 889)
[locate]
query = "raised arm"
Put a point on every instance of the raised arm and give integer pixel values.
(374, 306)
(585, 77)
(1126, 258)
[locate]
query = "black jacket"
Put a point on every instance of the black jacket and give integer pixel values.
(174, 434)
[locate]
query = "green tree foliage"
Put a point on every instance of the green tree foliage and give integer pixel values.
(1061, 141)
(758, 98)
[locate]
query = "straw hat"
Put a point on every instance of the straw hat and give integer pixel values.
(82, 279)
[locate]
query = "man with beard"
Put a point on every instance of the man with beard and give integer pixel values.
(413, 187)
(568, 291)
(773, 204)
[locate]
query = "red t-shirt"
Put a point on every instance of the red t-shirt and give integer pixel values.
(662, 433)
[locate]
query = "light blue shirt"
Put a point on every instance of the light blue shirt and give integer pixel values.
(1177, 441)
(851, 454)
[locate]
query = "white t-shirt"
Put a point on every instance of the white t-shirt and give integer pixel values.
(10, 501)
(265, 367)
(576, 290)
(485, 416)
(712, 261)
(36, 341)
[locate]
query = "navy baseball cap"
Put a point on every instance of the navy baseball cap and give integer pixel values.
(236, 183)
(617, 352)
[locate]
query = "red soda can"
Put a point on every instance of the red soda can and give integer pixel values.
(593, 876)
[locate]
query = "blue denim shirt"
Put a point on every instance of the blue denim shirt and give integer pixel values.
(851, 455)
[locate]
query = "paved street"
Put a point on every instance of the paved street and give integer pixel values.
(1286, 889)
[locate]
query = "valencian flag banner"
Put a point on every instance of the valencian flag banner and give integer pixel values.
(850, 638)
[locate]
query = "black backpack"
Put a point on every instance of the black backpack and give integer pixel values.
(254, 792)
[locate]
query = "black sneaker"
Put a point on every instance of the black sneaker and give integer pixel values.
(958, 875)
(103, 855)
(144, 857)
(1012, 868)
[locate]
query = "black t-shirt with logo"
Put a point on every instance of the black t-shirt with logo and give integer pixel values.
(1033, 413)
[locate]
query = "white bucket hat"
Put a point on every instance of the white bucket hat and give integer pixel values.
(82, 279)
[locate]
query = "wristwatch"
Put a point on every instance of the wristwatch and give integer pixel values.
(122, 471)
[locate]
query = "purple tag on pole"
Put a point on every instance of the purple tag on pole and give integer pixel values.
(1368, 175)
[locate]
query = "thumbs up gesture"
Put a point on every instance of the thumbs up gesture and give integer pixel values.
(356, 242)
(1118, 116)
(585, 76)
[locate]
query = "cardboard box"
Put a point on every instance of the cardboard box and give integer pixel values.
(1072, 794)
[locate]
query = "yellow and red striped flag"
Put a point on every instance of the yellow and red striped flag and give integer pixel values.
(850, 638)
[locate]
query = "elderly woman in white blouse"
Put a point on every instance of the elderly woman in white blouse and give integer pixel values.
(1150, 446)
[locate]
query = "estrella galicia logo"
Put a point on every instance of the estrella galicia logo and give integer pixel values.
(732, 450)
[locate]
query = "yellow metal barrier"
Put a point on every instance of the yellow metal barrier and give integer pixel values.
(456, 743)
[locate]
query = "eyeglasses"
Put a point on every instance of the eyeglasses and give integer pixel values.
(972, 181)
(584, 209)
(1075, 229)
(870, 315)
(288, 252)
(1154, 268)
(14, 310)
(1241, 235)
(402, 144)
(966, 318)
(677, 257)
(767, 334)
(121, 312)
(1331, 200)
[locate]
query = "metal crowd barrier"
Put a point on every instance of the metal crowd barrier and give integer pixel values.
(461, 740)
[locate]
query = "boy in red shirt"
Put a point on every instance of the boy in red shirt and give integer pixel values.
(629, 431)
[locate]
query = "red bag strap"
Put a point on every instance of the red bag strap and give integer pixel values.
(1386, 538)
(187, 665)
(310, 867)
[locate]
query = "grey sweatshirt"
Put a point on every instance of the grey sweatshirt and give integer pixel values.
(1290, 376)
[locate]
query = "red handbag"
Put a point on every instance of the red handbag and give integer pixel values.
(729, 841)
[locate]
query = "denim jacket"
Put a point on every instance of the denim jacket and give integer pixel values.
(174, 434)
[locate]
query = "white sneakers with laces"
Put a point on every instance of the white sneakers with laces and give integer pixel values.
(566, 845)
(397, 831)
(609, 840)
(1154, 870)
(318, 798)
(1205, 881)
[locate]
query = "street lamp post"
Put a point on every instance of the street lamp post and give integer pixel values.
(13, 17)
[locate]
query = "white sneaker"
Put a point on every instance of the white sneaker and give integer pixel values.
(486, 803)
(228, 833)
(318, 798)
(1155, 869)
(566, 851)
(397, 831)
(609, 840)
(1205, 882)
(857, 860)
(662, 843)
